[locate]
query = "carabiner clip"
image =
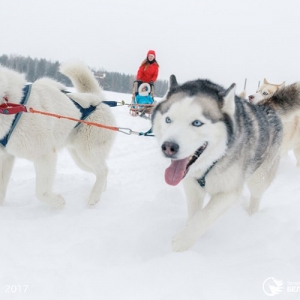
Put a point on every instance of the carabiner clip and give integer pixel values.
(127, 131)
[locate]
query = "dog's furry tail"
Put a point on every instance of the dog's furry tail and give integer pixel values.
(81, 76)
(285, 101)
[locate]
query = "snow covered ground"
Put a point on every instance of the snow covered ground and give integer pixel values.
(121, 249)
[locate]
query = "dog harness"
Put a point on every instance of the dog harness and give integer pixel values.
(201, 180)
(26, 94)
(85, 112)
(19, 108)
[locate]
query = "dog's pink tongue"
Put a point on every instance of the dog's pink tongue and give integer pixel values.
(176, 171)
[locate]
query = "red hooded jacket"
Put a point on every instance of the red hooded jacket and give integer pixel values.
(147, 72)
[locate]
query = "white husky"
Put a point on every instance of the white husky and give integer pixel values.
(38, 138)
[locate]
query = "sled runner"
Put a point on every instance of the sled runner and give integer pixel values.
(142, 99)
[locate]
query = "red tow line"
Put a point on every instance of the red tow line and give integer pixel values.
(12, 108)
(73, 119)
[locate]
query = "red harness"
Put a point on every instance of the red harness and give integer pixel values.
(7, 108)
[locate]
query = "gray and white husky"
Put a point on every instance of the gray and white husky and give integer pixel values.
(217, 142)
(38, 138)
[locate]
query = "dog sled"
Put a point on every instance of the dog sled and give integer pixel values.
(142, 99)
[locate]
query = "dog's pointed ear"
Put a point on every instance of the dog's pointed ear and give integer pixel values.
(229, 100)
(173, 81)
(265, 81)
(282, 85)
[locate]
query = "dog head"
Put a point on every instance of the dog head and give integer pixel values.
(266, 91)
(192, 124)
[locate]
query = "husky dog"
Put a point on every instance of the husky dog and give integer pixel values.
(217, 142)
(38, 137)
(266, 90)
(280, 97)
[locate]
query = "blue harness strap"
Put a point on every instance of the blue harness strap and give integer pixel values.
(110, 103)
(201, 180)
(85, 112)
(26, 94)
(147, 133)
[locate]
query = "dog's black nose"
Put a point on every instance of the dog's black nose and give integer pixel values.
(251, 97)
(169, 148)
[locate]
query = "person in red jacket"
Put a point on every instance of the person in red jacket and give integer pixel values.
(148, 70)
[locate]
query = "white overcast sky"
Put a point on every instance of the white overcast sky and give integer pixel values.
(225, 41)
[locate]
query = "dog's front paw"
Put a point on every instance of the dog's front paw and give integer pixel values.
(56, 201)
(251, 210)
(93, 200)
(183, 241)
(59, 202)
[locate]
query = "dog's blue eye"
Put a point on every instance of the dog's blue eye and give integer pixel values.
(168, 120)
(197, 123)
(265, 93)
